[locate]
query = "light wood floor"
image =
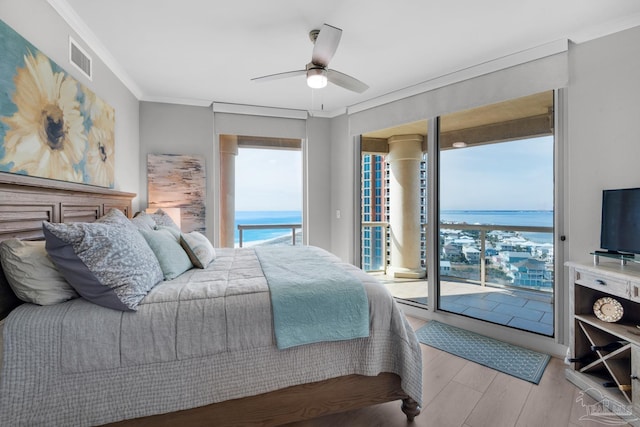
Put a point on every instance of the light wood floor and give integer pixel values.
(460, 393)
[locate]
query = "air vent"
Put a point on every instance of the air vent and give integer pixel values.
(79, 58)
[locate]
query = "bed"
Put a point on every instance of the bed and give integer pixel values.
(246, 381)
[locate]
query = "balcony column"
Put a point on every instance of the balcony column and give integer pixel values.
(228, 153)
(405, 154)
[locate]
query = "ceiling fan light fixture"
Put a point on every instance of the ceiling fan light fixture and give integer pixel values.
(316, 78)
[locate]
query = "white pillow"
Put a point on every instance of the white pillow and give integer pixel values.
(199, 249)
(31, 274)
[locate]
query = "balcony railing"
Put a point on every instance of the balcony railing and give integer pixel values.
(293, 227)
(482, 231)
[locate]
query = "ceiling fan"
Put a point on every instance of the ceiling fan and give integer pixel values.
(325, 43)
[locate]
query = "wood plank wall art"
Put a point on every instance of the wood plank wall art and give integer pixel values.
(179, 181)
(51, 126)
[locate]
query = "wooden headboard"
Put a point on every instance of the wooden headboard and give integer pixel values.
(27, 201)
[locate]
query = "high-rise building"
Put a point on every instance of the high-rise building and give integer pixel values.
(375, 207)
(373, 210)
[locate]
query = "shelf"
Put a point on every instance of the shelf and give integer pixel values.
(624, 330)
(623, 353)
(595, 381)
(610, 366)
(594, 367)
(621, 258)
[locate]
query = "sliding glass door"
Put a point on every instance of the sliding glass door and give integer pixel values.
(496, 210)
(493, 175)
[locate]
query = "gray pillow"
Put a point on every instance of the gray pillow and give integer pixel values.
(144, 221)
(107, 262)
(199, 249)
(163, 219)
(31, 274)
(165, 245)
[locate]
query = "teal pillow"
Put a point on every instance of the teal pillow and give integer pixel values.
(172, 258)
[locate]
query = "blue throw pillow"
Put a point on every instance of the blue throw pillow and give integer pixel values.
(107, 262)
(165, 245)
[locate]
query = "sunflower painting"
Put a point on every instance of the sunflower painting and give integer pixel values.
(51, 126)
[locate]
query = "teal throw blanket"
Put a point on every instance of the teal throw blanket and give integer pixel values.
(313, 298)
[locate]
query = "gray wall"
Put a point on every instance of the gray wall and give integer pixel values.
(318, 182)
(603, 132)
(40, 24)
(343, 195)
(177, 129)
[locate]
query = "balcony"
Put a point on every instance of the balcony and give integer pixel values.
(295, 239)
(483, 283)
(519, 308)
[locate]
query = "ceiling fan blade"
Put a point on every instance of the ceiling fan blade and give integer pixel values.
(326, 45)
(346, 81)
(280, 76)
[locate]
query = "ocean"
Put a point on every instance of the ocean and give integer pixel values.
(530, 218)
(496, 217)
(505, 217)
(264, 217)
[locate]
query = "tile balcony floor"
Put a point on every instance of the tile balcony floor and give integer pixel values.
(528, 310)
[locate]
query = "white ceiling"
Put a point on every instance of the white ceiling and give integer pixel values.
(203, 51)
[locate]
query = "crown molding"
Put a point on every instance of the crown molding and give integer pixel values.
(328, 114)
(76, 23)
(256, 110)
(181, 101)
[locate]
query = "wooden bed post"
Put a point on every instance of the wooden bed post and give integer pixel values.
(410, 408)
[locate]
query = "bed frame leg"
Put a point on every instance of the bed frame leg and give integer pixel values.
(410, 408)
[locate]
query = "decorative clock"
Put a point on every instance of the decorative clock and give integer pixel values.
(608, 309)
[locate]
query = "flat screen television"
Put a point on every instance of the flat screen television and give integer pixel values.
(620, 228)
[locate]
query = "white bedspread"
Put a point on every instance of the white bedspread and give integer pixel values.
(201, 338)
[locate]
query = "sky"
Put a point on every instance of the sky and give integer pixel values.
(268, 180)
(515, 175)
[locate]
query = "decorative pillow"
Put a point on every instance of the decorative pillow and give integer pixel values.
(144, 221)
(165, 245)
(163, 219)
(107, 262)
(32, 275)
(199, 249)
(174, 231)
